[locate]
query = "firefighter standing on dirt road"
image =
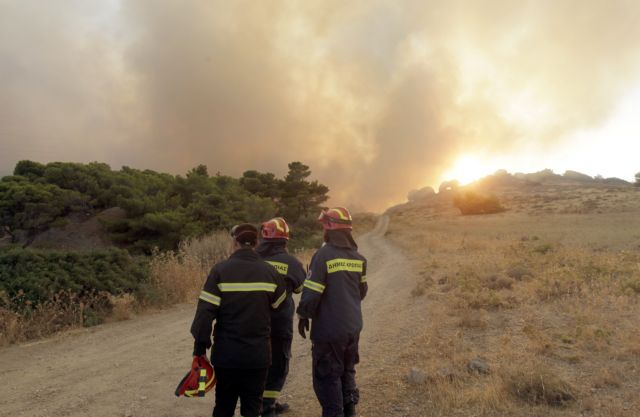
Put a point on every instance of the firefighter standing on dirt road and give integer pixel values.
(273, 249)
(334, 287)
(239, 294)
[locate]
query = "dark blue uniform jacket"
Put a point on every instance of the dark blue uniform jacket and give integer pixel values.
(335, 285)
(274, 252)
(239, 295)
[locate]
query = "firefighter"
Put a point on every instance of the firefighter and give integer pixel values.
(273, 249)
(239, 294)
(333, 290)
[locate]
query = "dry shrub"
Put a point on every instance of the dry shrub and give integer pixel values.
(304, 256)
(485, 299)
(608, 378)
(22, 321)
(471, 202)
(499, 282)
(473, 319)
(122, 306)
(519, 272)
(178, 276)
(535, 384)
(207, 249)
(558, 286)
(9, 327)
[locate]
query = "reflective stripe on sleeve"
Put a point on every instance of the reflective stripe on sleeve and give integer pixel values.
(363, 279)
(246, 286)
(314, 286)
(209, 298)
(299, 289)
(279, 300)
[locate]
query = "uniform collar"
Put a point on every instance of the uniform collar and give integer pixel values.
(244, 253)
(340, 239)
(271, 247)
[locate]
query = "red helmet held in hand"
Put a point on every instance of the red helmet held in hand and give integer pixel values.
(335, 219)
(199, 380)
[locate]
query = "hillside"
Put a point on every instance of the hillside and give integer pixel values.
(545, 294)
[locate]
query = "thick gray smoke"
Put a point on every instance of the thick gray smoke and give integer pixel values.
(377, 96)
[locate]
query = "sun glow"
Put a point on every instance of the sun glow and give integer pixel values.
(469, 168)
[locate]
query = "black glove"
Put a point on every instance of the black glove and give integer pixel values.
(303, 325)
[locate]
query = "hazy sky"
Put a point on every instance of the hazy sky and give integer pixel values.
(378, 97)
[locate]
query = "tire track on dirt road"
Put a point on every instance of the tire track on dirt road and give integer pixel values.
(130, 368)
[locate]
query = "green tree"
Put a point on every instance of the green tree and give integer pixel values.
(261, 184)
(637, 179)
(33, 207)
(299, 196)
(29, 169)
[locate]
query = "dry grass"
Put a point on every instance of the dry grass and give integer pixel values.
(178, 276)
(21, 321)
(551, 301)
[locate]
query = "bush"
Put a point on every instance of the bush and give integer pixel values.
(471, 202)
(35, 276)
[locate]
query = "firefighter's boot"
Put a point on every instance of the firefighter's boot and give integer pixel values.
(281, 408)
(350, 410)
(270, 412)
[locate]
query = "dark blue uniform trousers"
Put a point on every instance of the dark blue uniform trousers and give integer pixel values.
(280, 355)
(334, 375)
(246, 384)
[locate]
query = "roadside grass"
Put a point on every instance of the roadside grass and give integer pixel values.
(173, 277)
(550, 302)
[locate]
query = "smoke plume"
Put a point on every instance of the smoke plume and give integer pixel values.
(378, 97)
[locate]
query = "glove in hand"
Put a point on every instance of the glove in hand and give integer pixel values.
(303, 327)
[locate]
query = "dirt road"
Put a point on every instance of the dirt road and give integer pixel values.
(131, 368)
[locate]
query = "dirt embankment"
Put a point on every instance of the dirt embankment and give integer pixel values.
(131, 368)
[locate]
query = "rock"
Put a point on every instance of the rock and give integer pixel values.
(479, 366)
(416, 376)
(421, 194)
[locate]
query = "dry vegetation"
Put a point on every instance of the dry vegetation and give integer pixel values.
(178, 276)
(549, 300)
(174, 277)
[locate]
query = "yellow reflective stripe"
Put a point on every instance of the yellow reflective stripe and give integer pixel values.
(246, 286)
(299, 289)
(282, 268)
(315, 286)
(363, 279)
(271, 394)
(279, 300)
(202, 381)
(207, 386)
(349, 265)
(209, 298)
(340, 213)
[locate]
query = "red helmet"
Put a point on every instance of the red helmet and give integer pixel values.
(336, 218)
(199, 380)
(275, 228)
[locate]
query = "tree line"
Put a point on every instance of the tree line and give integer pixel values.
(160, 209)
